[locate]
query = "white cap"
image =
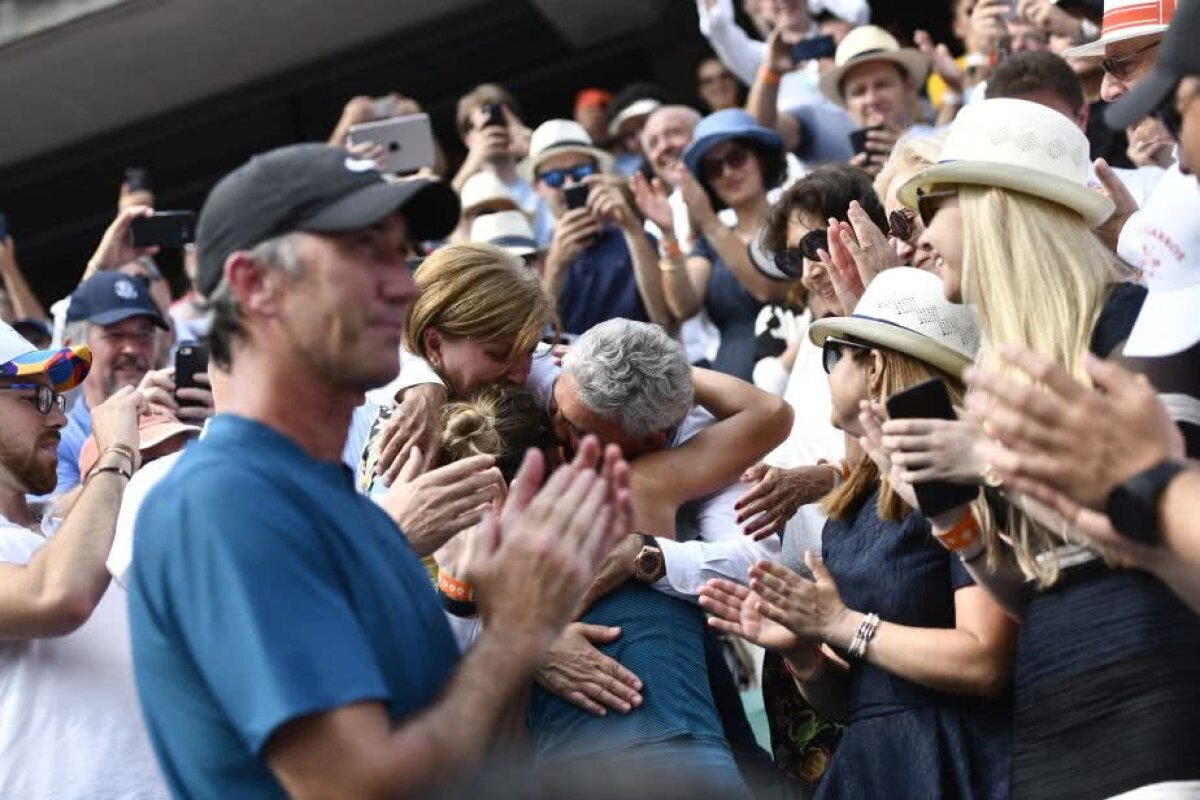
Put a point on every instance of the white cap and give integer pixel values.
(508, 230)
(485, 187)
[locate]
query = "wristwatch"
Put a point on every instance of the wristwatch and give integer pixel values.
(1132, 507)
(649, 566)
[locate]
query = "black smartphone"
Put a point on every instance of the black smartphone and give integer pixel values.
(137, 179)
(164, 228)
(3, 227)
(858, 138)
(931, 400)
(495, 116)
(191, 358)
(816, 47)
(576, 195)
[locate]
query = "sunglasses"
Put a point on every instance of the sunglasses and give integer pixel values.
(713, 166)
(557, 178)
(833, 349)
(1119, 68)
(901, 222)
(790, 261)
(930, 203)
(45, 397)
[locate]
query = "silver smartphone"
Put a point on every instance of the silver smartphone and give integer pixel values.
(408, 141)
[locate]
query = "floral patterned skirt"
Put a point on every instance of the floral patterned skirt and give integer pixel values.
(802, 741)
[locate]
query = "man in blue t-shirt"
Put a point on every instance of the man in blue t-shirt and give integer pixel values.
(601, 264)
(285, 636)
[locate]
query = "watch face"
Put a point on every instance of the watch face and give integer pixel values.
(649, 565)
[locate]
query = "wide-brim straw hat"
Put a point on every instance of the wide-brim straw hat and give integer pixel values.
(508, 230)
(866, 44)
(1017, 145)
(906, 310)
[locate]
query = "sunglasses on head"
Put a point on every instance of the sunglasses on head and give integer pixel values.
(1119, 68)
(45, 397)
(557, 178)
(930, 203)
(790, 261)
(713, 167)
(833, 349)
(901, 222)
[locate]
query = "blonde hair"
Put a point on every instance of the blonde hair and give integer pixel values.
(500, 421)
(1039, 278)
(900, 371)
(911, 154)
(480, 292)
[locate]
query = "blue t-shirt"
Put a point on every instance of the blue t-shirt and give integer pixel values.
(265, 588)
(73, 435)
(600, 285)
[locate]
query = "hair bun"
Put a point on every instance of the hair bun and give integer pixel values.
(469, 428)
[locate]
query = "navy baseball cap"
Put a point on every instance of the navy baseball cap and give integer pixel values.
(109, 297)
(314, 188)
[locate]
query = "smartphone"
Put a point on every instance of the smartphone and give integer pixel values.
(191, 358)
(931, 400)
(495, 116)
(816, 47)
(137, 179)
(3, 227)
(858, 138)
(576, 195)
(164, 228)
(407, 140)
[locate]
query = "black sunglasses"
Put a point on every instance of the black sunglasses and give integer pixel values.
(901, 223)
(44, 397)
(930, 203)
(1119, 67)
(790, 261)
(833, 350)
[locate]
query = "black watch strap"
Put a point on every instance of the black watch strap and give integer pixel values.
(1132, 507)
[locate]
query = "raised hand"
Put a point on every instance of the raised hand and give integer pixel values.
(651, 198)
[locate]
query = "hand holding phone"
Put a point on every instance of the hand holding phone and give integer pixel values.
(813, 47)
(191, 359)
(858, 138)
(164, 229)
(407, 141)
(931, 400)
(576, 195)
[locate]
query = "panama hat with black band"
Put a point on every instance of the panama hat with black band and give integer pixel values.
(905, 310)
(866, 44)
(311, 188)
(556, 136)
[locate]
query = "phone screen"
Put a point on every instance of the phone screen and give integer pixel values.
(576, 196)
(931, 400)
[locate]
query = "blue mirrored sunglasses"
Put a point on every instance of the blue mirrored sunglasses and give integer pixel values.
(556, 178)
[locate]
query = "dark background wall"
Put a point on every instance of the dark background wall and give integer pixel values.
(58, 204)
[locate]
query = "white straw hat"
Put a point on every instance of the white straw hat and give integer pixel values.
(638, 108)
(906, 310)
(508, 230)
(556, 136)
(1127, 19)
(870, 43)
(485, 188)
(1017, 145)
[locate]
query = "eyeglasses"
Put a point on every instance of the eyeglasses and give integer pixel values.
(45, 397)
(1119, 67)
(902, 224)
(833, 349)
(930, 203)
(713, 166)
(790, 261)
(556, 178)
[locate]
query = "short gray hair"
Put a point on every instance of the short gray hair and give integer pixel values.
(225, 316)
(632, 372)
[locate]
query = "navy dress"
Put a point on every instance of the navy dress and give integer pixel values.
(733, 310)
(903, 739)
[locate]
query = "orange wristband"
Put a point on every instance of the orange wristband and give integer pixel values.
(671, 250)
(455, 589)
(963, 536)
(768, 76)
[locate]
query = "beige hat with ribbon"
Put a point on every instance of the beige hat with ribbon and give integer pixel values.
(865, 44)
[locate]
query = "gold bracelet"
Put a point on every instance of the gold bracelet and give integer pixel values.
(121, 449)
(667, 265)
(109, 468)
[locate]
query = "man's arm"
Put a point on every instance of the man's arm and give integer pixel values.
(691, 564)
(732, 45)
(763, 101)
(25, 302)
(59, 588)
(354, 751)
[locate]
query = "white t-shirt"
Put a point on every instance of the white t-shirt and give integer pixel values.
(120, 556)
(70, 725)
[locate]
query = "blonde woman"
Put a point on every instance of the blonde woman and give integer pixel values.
(1009, 212)
(929, 652)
